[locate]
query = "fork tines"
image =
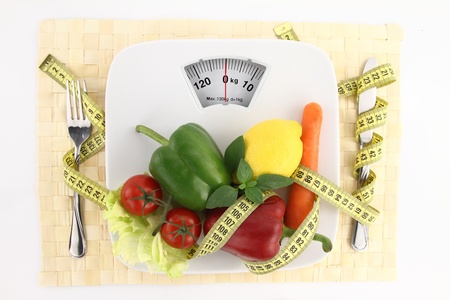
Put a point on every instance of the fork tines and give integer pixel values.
(75, 109)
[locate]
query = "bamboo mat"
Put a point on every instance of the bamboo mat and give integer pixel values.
(87, 47)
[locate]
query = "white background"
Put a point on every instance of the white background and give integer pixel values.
(423, 257)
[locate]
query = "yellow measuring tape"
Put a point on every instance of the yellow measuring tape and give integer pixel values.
(225, 226)
(236, 214)
(295, 246)
(376, 117)
(332, 193)
(355, 204)
(285, 32)
(75, 180)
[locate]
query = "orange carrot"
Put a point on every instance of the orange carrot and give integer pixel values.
(301, 200)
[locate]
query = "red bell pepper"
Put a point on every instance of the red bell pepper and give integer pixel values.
(258, 237)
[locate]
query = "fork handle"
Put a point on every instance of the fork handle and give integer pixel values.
(77, 241)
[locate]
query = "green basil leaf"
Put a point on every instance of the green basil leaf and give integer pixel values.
(251, 183)
(254, 194)
(244, 172)
(234, 153)
(224, 196)
(272, 181)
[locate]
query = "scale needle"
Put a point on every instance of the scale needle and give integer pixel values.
(225, 80)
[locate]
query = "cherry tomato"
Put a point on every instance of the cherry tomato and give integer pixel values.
(141, 195)
(182, 228)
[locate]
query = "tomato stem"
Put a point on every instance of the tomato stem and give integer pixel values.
(152, 134)
(182, 230)
(163, 218)
(148, 198)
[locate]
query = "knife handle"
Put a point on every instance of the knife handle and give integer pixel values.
(360, 239)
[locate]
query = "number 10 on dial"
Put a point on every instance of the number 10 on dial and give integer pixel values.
(224, 80)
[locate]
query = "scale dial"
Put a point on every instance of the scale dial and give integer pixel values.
(224, 80)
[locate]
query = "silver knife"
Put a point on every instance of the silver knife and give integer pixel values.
(366, 102)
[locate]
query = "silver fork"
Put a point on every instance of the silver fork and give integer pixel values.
(79, 128)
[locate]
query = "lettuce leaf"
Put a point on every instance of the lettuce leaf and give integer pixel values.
(134, 242)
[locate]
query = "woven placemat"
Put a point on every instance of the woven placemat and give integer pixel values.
(88, 47)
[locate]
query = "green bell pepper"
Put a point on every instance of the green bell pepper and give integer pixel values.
(189, 166)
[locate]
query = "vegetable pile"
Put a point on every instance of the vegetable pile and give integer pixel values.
(157, 218)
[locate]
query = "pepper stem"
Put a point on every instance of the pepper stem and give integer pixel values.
(327, 245)
(152, 134)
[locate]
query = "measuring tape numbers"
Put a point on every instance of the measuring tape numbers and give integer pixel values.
(355, 204)
(366, 193)
(84, 186)
(369, 120)
(333, 194)
(285, 32)
(378, 77)
(236, 214)
(376, 117)
(295, 245)
(370, 154)
(58, 72)
(226, 225)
